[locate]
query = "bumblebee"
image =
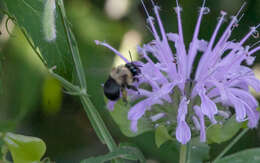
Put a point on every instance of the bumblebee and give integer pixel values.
(120, 78)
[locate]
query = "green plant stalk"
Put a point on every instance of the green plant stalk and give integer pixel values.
(66, 84)
(95, 119)
(230, 145)
(189, 146)
(98, 122)
(183, 153)
(93, 115)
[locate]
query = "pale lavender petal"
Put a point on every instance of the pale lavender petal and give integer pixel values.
(133, 126)
(138, 110)
(208, 107)
(157, 116)
(253, 117)
(181, 54)
(224, 114)
(222, 90)
(253, 82)
(254, 50)
(174, 37)
(204, 58)
(202, 45)
(239, 108)
(183, 133)
(183, 110)
(150, 21)
(250, 60)
(110, 105)
(112, 49)
(202, 123)
(153, 73)
(245, 96)
(196, 122)
(194, 43)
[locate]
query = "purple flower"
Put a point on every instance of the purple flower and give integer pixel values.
(218, 78)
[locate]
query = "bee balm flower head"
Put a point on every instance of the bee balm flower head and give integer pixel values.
(221, 77)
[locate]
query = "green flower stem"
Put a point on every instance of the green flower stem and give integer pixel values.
(231, 145)
(189, 146)
(92, 113)
(183, 153)
(98, 122)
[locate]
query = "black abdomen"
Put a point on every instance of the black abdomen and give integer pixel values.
(112, 89)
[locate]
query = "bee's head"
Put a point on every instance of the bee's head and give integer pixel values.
(133, 68)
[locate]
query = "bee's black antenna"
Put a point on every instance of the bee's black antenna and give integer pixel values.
(130, 56)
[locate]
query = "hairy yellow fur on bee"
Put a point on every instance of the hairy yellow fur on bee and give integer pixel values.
(122, 75)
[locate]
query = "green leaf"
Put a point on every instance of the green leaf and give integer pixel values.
(220, 133)
(199, 151)
(25, 149)
(29, 15)
(119, 114)
(125, 152)
(246, 156)
(73, 45)
(161, 135)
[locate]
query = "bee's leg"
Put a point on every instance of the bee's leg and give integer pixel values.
(136, 79)
(133, 88)
(124, 95)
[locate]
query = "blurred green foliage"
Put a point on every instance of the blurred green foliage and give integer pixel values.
(25, 98)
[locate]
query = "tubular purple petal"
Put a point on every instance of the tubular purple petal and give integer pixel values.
(110, 105)
(212, 40)
(112, 49)
(254, 50)
(208, 107)
(193, 48)
(183, 133)
(202, 123)
(239, 108)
